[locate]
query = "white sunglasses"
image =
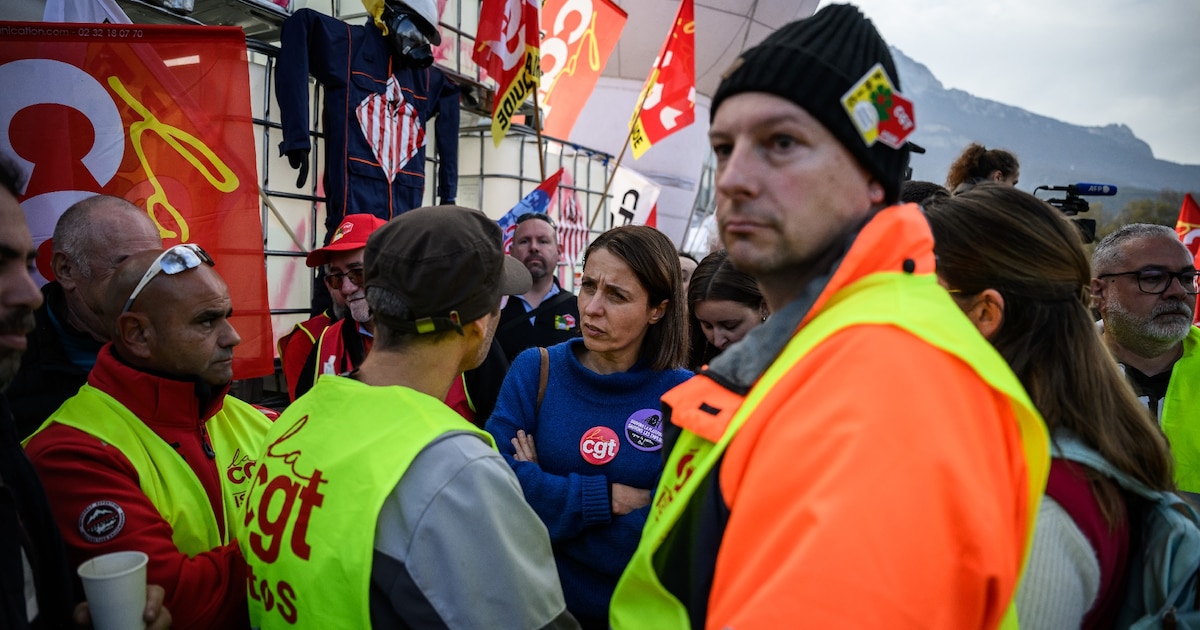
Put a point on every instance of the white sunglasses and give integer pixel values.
(176, 259)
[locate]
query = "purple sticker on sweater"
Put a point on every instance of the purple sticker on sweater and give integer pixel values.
(644, 430)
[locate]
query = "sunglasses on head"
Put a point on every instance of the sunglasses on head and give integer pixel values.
(176, 259)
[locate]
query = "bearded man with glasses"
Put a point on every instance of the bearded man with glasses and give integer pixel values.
(152, 454)
(338, 345)
(1145, 288)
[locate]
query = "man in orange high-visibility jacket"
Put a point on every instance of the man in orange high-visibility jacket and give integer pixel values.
(863, 459)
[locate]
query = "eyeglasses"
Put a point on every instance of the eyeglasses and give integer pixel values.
(334, 280)
(1157, 281)
(541, 216)
(174, 260)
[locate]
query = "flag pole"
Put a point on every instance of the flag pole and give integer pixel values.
(683, 241)
(537, 126)
(620, 156)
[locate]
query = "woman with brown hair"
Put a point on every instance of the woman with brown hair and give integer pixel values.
(1017, 268)
(593, 405)
(723, 305)
(978, 164)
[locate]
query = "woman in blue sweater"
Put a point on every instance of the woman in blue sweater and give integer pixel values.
(599, 425)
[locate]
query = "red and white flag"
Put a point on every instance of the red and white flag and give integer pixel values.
(668, 100)
(1188, 227)
(158, 115)
(507, 47)
(578, 37)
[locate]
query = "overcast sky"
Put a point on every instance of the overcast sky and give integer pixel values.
(1086, 62)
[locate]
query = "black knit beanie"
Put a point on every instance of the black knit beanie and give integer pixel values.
(814, 62)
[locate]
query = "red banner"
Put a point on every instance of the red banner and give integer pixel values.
(668, 100)
(1188, 227)
(577, 38)
(506, 47)
(159, 115)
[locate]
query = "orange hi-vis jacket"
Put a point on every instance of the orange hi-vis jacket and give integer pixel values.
(868, 461)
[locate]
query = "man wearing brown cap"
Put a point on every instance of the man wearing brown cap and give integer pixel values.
(340, 346)
(375, 504)
(863, 459)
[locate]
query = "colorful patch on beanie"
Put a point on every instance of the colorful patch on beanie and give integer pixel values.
(879, 112)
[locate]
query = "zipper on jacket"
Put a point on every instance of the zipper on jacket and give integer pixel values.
(208, 449)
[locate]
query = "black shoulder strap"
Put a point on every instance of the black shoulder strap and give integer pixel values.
(546, 305)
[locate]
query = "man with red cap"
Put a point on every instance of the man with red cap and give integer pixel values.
(341, 345)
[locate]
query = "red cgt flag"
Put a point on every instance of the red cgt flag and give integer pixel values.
(159, 115)
(668, 100)
(579, 37)
(1188, 227)
(507, 48)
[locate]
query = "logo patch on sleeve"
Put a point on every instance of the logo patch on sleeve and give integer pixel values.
(101, 521)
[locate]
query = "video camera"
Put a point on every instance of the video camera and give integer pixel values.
(1072, 205)
(912, 148)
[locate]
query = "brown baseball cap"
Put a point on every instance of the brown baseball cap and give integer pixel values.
(447, 263)
(351, 234)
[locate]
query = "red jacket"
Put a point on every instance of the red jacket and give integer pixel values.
(82, 474)
(295, 347)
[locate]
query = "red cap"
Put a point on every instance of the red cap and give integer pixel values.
(351, 234)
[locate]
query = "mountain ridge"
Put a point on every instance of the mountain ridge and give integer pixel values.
(1051, 152)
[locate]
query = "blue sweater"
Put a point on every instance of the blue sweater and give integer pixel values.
(565, 487)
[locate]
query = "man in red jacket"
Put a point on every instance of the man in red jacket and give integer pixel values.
(152, 454)
(297, 354)
(35, 582)
(341, 345)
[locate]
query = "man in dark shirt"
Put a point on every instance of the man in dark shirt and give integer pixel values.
(36, 589)
(90, 239)
(546, 314)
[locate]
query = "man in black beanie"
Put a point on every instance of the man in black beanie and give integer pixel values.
(863, 459)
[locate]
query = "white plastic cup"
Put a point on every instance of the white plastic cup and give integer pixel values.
(115, 586)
